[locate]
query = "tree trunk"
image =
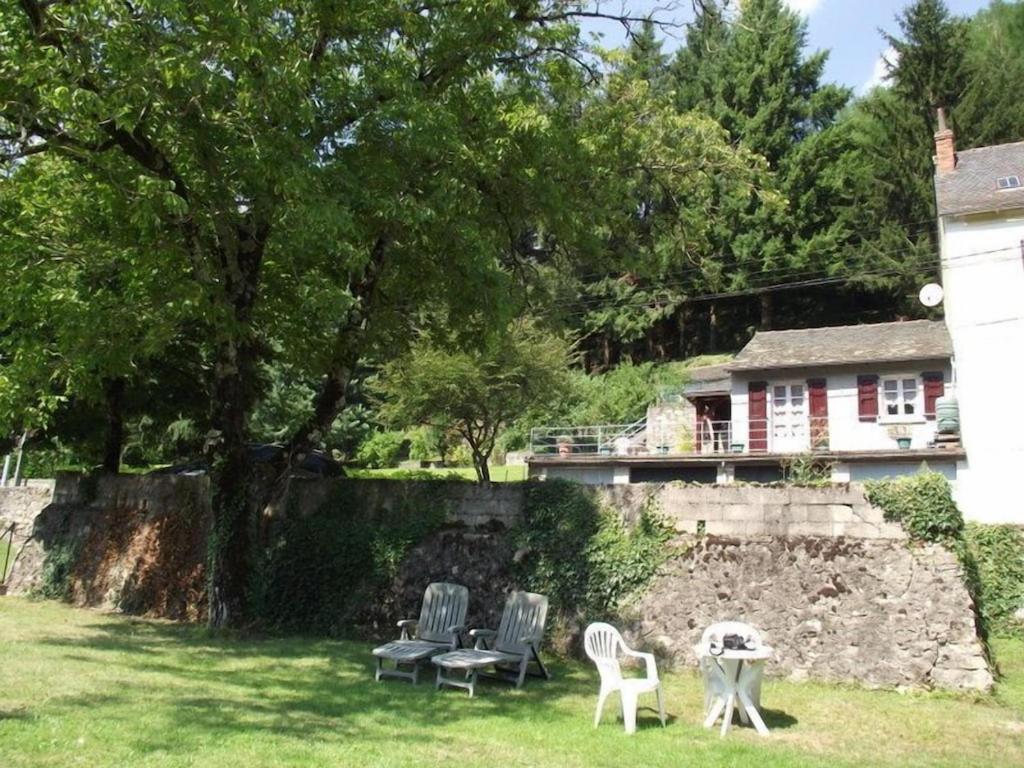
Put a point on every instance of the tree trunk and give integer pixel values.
(114, 395)
(681, 330)
(766, 312)
(231, 544)
(234, 486)
(712, 329)
(483, 472)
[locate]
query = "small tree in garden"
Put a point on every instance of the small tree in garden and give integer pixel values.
(476, 392)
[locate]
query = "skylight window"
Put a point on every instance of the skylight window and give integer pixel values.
(1008, 182)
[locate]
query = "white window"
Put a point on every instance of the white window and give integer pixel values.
(901, 399)
(789, 418)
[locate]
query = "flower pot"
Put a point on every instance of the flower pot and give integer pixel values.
(736, 447)
(903, 443)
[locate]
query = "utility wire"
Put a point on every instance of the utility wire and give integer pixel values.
(591, 304)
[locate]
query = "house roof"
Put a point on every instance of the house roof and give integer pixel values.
(972, 187)
(709, 379)
(845, 345)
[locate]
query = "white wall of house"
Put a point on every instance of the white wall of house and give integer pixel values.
(983, 278)
(846, 431)
(589, 475)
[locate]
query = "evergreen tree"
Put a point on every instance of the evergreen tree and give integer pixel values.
(752, 77)
(991, 110)
(929, 71)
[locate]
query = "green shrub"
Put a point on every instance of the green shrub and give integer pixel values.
(321, 568)
(381, 450)
(922, 503)
(999, 552)
(582, 556)
(55, 579)
(807, 471)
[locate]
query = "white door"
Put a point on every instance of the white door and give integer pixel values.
(789, 418)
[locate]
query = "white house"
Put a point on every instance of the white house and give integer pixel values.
(980, 200)
(861, 398)
(852, 392)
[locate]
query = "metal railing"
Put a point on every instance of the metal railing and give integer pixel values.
(600, 439)
(706, 438)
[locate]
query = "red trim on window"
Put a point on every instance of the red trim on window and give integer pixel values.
(757, 413)
(934, 388)
(867, 398)
(817, 396)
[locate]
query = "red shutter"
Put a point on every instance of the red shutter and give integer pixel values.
(867, 398)
(934, 388)
(757, 413)
(817, 391)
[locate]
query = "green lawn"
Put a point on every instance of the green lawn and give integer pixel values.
(90, 689)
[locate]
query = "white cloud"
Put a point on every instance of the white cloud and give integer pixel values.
(880, 70)
(803, 7)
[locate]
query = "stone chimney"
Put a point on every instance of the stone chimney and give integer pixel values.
(945, 146)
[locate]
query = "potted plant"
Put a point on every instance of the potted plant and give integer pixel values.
(901, 434)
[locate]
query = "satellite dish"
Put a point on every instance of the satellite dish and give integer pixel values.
(931, 295)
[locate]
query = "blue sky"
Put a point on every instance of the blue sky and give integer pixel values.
(847, 28)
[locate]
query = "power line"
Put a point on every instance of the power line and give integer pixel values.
(649, 303)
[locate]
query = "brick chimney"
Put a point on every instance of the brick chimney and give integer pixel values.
(945, 146)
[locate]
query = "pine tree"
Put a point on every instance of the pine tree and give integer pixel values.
(751, 76)
(929, 71)
(992, 111)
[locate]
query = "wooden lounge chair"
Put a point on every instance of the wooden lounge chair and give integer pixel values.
(438, 629)
(510, 649)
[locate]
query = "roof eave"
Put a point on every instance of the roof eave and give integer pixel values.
(824, 363)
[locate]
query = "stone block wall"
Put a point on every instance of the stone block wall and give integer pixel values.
(671, 424)
(734, 510)
(465, 503)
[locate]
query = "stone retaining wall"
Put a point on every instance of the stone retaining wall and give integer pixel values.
(838, 592)
(879, 612)
(730, 510)
(21, 504)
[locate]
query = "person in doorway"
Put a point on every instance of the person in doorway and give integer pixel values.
(705, 430)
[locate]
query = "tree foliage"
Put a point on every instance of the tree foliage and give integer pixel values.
(302, 182)
(477, 391)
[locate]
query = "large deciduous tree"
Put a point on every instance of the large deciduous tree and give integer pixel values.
(305, 178)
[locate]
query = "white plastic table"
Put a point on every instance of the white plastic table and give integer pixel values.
(734, 672)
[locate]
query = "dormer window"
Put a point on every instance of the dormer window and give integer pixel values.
(1008, 182)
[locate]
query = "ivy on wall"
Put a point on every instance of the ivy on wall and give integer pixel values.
(322, 567)
(999, 552)
(582, 556)
(58, 567)
(923, 504)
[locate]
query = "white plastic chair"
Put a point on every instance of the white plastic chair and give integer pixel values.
(713, 688)
(604, 645)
